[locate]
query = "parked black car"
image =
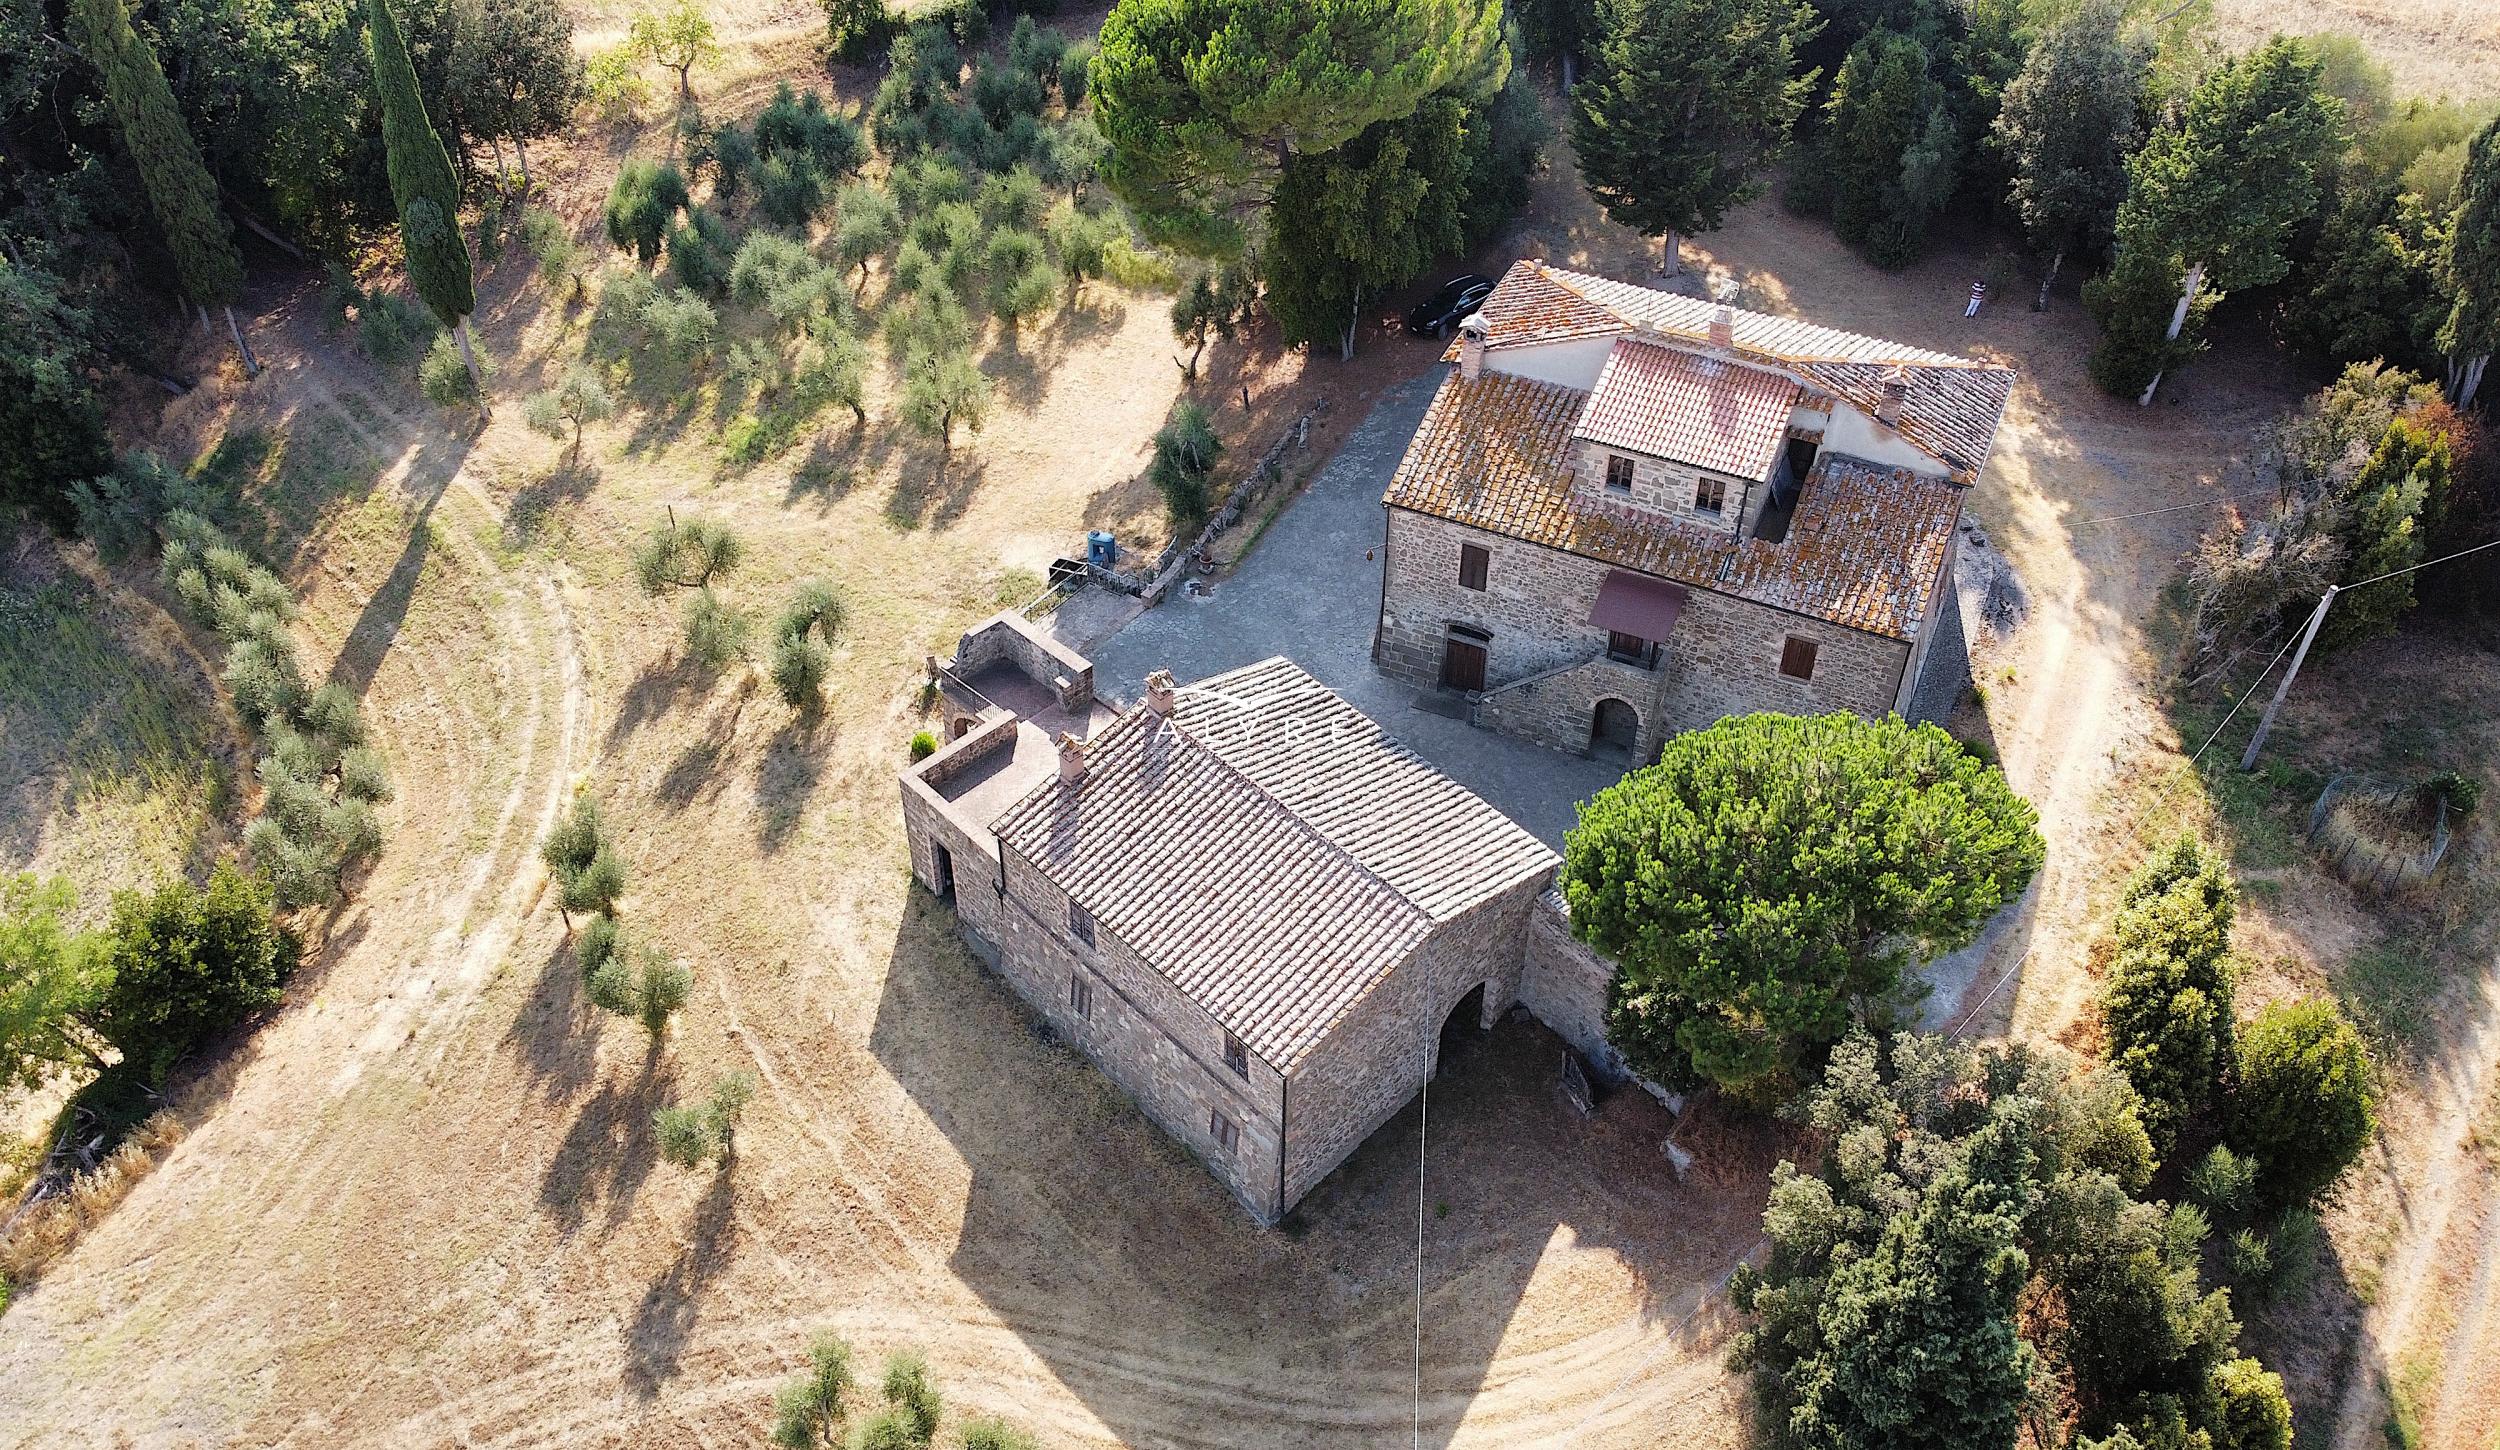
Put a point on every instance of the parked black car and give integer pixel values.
(1447, 308)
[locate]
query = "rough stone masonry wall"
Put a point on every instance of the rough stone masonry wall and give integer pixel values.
(1160, 1048)
(1566, 983)
(1558, 709)
(1011, 637)
(1380, 1055)
(929, 823)
(1721, 659)
(1659, 486)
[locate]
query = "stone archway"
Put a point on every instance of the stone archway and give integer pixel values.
(1614, 729)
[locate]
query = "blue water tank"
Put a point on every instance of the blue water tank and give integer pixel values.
(1102, 549)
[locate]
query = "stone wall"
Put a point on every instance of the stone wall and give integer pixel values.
(1008, 636)
(1558, 709)
(1566, 983)
(930, 823)
(1385, 1049)
(1721, 659)
(1661, 487)
(1162, 1049)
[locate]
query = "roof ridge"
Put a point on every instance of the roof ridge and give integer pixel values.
(1314, 832)
(1954, 361)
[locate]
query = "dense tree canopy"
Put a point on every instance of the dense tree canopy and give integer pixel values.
(2305, 1103)
(51, 423)
(1204, 102)
(184, 961)
(2066, 124)
(49, 973)
(422, 184)
(2471, 269)
(2213, 196)
(1771, 873)
(1685, 103)
(2166, 1004)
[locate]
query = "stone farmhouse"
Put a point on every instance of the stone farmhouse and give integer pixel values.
(1243, 901)
(1629, 513)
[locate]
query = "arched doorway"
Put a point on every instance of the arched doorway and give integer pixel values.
(1461, 1030)
(1614, 728)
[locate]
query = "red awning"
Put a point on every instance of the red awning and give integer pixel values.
(1636, 604)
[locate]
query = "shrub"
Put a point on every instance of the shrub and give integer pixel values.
(928, 181)
(2291, 1256)
(995, 1434)
(623, 298)
(393, 329)
(942, 389)
(2223, 1181)
(1185, 451)
(444, 377)
(588, 874)
(699, 251)
(646, 197)
(1075, 70)
(1081, 242)
(2462, 792)
(1012, 200)
(908, 1392)
(768, 262)
(685, 556)
(856, 29)
(580, 397)
(613, 84)
(807, 1408)
(2249, 1258)
(185, 961)
(798, 124)
(1021, 280)
(968, 21)
(2304, 1103)
(715, 633)
(640, 982)
(733, 159)
(923, 745)
(596, 943)
(865, 222)
(2167, 1004)
(2250, 1410)
(697, 1133)
(683, 325)
(1001, 94)
(788, 189)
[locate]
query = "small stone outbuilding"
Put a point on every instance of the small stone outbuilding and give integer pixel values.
(1629, 513)
(1244, 902)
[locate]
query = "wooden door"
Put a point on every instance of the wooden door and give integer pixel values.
(1462, 664)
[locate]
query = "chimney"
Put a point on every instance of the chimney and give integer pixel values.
(1723, 330)
(1471, 347)
(1896, 392)
(1071, 759)
(1159, 693)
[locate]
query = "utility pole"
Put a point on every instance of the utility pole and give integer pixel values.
(2265, 722)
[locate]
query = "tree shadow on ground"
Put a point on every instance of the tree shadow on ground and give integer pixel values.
(655, 1342)
(527, 513)
(610, 1148)
(657, 688)
(935, 489)
(838, 457)
(557, 1054)
(787, 773)
(695, 774)
(1152, 1263)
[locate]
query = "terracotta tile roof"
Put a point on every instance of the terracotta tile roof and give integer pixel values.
(1436, 843)
(1863, 549)
(1954, 405)
(1700, 410)
(1268, 849)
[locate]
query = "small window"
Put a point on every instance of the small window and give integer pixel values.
(1080, 994)
(1080, 923)
(1797, 658)
(1618, 473)
(1710, 495)
(1227, 1132)
(1236, 1056)
(1629, 648)
(1472, 562)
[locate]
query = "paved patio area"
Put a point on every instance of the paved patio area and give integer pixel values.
(1307, 592)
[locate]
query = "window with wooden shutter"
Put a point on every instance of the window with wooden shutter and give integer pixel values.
(1710, 495)
(1236, 1056)
(1473, 560)
(1080, 994)
(1080, 923)
(1227, 1132)
(1797, 658)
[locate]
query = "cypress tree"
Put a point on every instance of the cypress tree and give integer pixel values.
(2471, 269)
(424, 188)
(180, 191)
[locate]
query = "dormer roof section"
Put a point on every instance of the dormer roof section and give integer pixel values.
(1688, 407)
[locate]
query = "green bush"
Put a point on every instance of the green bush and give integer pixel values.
(699, 252)
(444, 378)
(2223, 1182)
(596, 943)
(684, 327)
(2166, 1006)
(923, 745)
(2304, 1105)
(393, 329)
(691, 1135)
(646, 197)
(641, 982)
(715, 632)
(908, 1392)
(183, 961)
(1075, 70)
(995, 1434)
(2291, 1257)
(2250, 1410)
(2132, 302)
(1185, 451)
(2462, 792)
(797, 124)
(788, 189)
(806, 1409)
(857, 29)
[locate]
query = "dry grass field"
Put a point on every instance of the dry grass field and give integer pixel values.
(2435, 47)
(423, 1207)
